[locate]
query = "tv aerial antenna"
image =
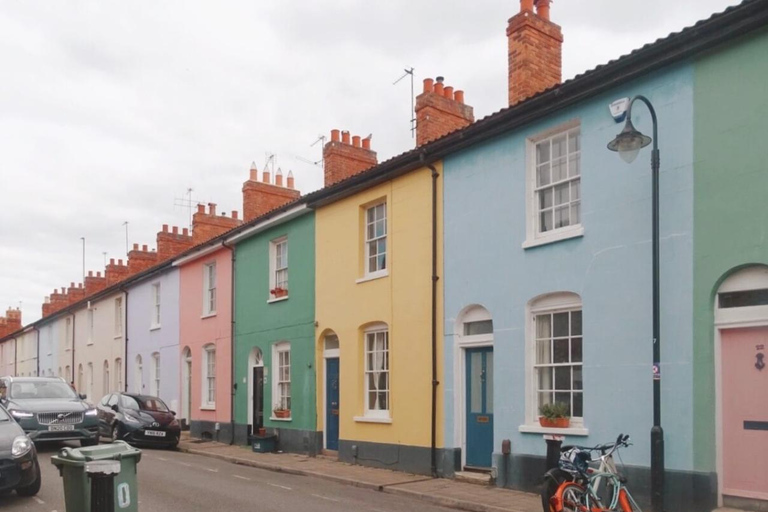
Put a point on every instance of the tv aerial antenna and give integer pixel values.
(319, 163)
(186, 202)
(409, 72)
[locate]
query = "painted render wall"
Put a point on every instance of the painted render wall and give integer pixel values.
(8, 357)
(26, 353)
(146, 339)
(260, 323)
(402, 300)
(96, 346)
(609, 267)
(49, 349)
(196, 332)
(731, 218)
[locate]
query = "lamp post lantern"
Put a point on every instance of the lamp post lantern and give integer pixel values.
(628, 144)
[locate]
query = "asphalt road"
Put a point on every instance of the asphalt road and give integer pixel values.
(171, 481)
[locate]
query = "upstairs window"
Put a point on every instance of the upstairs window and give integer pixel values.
(558, 181)
(155, 320)
(90, 326)
(278, 268)
(209, 289)
(67, 336)
(376, 239)
(118, 316)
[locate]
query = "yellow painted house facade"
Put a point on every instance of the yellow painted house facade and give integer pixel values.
(374, 312)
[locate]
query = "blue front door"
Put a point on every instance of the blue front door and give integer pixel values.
(332, 403)
(479, 404)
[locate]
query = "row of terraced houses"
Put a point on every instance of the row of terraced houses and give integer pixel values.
(415, 313)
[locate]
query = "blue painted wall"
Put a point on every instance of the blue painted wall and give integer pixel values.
(49, 348)
(609, 267)
(145, 341)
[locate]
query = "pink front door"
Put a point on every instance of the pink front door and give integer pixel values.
(745, 412)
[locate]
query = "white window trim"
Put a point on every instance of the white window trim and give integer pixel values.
(206, 280)
(156, 305)
(532, 237)
(90, 320)
(367, 275)
(368, 414)
(277, 348)
(206, 404)
(119, 328)
(273, 269)
(154, 384)
(558, 301)
(138, 374)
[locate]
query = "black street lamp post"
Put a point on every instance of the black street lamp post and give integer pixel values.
(628, 143)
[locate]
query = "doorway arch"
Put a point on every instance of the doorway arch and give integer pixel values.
(331, 390)
(741, 381)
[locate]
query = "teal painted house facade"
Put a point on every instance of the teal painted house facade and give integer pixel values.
(274, 331)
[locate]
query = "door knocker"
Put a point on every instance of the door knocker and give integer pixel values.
(760, 364)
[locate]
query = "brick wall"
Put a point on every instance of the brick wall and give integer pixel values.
(209, 225)
(535, 51)
(75, 293)
(94, 284)
(140, 259)
(171, 243)
(11, 322)
(344, 158)
(439, 111)
(115, 272)
(260, 197)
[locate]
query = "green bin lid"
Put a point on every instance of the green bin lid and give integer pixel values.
(117, 450)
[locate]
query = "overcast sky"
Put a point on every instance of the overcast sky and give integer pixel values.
(110, 111)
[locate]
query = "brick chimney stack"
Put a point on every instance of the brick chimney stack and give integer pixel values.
(94, 284)
(140, 259)
(58, 300)
(75, 293)
(439, 111)
(535, 51)
(344, 158)
(11, 322)
(260, 197)
(171, 243)
(47, 306)
(115, 272)
(208, 225)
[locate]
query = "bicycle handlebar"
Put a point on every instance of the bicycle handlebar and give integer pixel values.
(622, 440)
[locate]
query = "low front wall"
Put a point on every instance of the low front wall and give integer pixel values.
(411, 459)
(207, 430)
(686, 491)
(290, 440)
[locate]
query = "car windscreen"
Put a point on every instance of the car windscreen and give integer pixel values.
(143, 404)
(3, 415)
(41, 389)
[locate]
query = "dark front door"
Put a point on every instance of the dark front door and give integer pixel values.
(258, 398)
(332, 403)
(479, 406)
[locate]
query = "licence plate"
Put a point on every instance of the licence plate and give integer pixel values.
(154, 433)
(58, 428)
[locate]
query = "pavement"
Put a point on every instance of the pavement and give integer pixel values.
(438, 491)
(172, 481)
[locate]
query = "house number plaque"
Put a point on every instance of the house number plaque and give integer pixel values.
(483, 419)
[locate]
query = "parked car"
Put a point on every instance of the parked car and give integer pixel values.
(48, 409)
(138, 419)
(19, 468)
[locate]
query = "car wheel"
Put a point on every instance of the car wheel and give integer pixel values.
(113, 434)
(34, 487)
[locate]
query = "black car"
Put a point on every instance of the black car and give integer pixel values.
(138, 419)
(19, 469)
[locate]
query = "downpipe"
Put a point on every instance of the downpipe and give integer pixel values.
(232, 342)
(435, 277)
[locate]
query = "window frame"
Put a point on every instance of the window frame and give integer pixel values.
(279, 349)
(379, 272)
(67, 335)
(209, 292)
(208, 379)
(90, 321)
(154, 381)
(384, 414)
(273, 269)
(156, 305)
(534, 237)
(118, 317)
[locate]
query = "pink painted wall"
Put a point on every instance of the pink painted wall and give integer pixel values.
(196, 332)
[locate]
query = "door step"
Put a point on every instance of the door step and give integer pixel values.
(473, 477)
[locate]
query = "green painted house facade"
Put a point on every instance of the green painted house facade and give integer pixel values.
(274, 332)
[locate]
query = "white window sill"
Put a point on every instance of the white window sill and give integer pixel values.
(154, 327)
(538, 429)
(277, 299)
(118, 336)
(209, 407)
(274, 418)
(373, 277)
(371, 419)
(90, 342)
(555, 236)
(209, 315)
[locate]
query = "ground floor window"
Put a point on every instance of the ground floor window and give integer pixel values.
(281, 402)
(376, 376)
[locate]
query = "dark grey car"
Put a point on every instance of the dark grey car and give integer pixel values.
(19, 468)
(48, 409)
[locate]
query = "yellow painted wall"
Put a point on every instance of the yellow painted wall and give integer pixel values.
(403, 300)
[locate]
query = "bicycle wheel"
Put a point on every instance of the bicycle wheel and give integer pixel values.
(570, 497)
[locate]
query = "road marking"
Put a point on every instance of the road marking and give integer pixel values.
(38, 500)
(211, 470)
(186, 464)
(282, 487)
(241, 477)
(325, 497)
(162, 459)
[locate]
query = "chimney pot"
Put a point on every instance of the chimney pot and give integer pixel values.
(119, 263)
(367, 143)
(165, 228)
(526, 5)
(79, 285)
(175, 230)
(63, 290)
(111, 261)
(144, 248)
(459, 96)
(185, 231)
(542, 9)
(98, 273)
(90, 273)
(201, 208)
(72, 285)
(135, 247)
(290, 179)
(212, 209)
(234, 214)
(279, 178)
(448, 92)
(356, 141)
(345, 137)
(439, 87)
(335, 135)
(429, 85)
(265, 176)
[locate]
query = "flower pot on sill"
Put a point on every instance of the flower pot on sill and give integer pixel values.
(555, 423)
(283, 414)
(279, 292)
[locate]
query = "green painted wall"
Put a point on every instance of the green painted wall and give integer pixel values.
(261, 324)
(730, 208)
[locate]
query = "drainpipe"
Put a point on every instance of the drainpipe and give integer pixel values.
(15, 356)
(125, 335)
(435, 382)
(232, 343)
(72, 372)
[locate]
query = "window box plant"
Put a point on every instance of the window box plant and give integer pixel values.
(554, 415)
(280, 412)
(279, 292)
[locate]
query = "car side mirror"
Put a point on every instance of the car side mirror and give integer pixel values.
(114, 407)
(173, 412)
(82, 396)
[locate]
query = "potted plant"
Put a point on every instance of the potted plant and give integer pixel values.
(554, 415)
(281, 412)
(262, 431)
(279, 291)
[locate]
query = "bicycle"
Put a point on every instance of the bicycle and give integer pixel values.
(583, 493)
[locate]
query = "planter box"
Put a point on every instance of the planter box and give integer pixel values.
(282, 414)
(264, 444)
(556, 423)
